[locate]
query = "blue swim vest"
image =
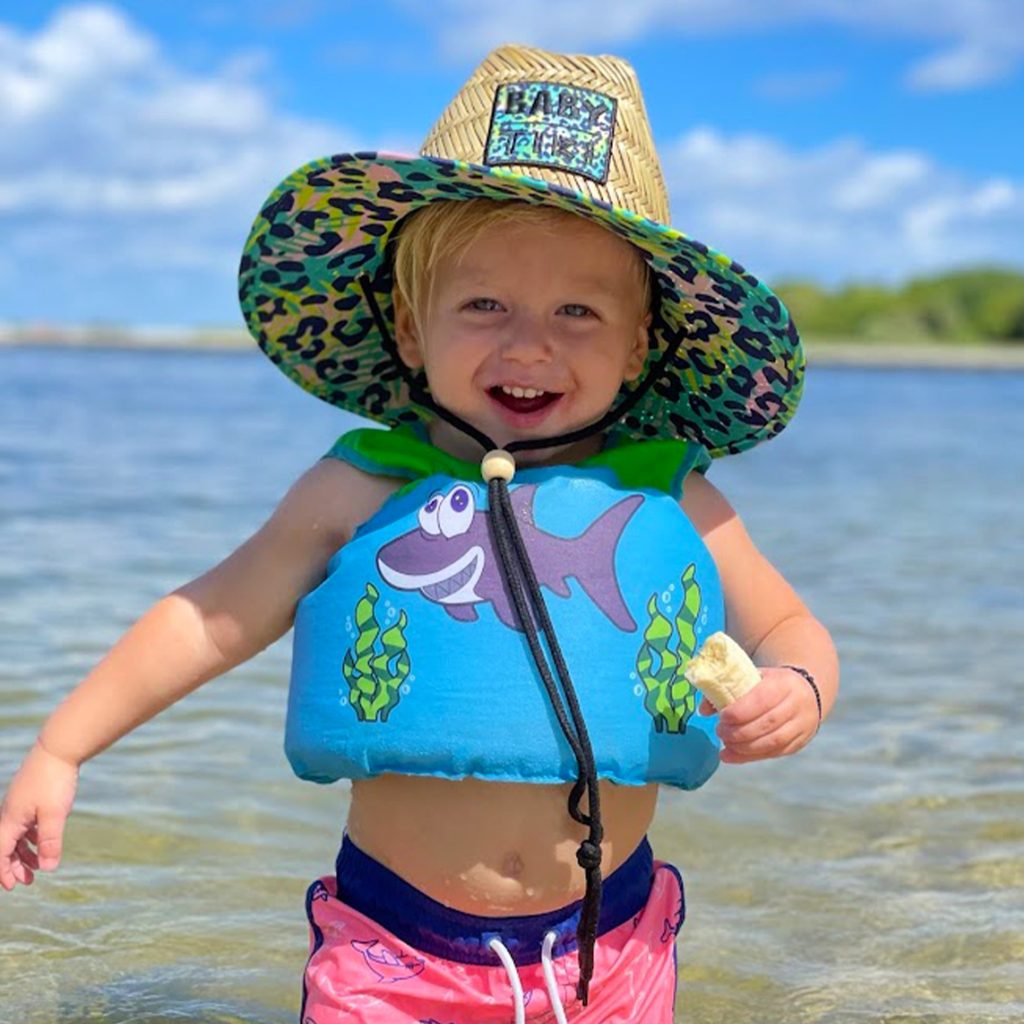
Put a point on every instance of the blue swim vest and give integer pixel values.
(408, 657)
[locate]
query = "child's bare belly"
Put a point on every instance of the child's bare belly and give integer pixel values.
(494, 848)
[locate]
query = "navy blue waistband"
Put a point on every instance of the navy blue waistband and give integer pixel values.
(370, 888)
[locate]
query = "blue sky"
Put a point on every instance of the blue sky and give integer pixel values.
(821, 139)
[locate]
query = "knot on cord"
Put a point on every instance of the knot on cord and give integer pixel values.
(588, 856)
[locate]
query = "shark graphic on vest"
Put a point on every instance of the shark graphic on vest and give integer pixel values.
(449, 558)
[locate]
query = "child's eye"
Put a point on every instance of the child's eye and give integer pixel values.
(484, 305)
(577, 310)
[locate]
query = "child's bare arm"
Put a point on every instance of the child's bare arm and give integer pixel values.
(187, 638)
(769, 620)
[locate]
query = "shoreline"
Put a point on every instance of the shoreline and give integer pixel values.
(839, 353)
(917, 355)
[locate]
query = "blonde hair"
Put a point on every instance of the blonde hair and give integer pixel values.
(445, 229)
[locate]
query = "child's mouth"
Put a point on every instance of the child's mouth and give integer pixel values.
(523, 401)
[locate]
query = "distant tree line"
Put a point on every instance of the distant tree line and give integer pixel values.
(968, 305)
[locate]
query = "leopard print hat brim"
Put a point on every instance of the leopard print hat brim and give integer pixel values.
(736, 378)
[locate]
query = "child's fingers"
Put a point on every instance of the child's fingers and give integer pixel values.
(750, 707)
(786, 739)
(10, 835)
(766, 722)
(20, 864)
(22, 872)
(51, 838)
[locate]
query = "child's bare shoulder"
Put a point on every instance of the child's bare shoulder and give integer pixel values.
(332, 499)
(704, 504)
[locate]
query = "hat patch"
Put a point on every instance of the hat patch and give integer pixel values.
(546, 124)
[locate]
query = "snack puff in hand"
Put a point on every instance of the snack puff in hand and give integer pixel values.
(722, 671)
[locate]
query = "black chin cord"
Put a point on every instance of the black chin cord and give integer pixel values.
(522, 583)
(531, 611)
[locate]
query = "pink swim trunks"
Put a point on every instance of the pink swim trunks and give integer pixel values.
(386, 953)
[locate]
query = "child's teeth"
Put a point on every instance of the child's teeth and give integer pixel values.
(521, 392)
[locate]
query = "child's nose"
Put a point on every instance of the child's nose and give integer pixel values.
(527, 340)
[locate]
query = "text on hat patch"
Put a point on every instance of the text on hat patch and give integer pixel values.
(546, 124)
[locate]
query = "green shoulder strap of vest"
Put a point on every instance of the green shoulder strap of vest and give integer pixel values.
(659, 464)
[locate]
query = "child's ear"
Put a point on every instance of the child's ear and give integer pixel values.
(407, 337)
(638, 350)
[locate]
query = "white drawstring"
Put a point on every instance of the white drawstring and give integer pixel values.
(513, 978)
(549, 978)
(517, 986)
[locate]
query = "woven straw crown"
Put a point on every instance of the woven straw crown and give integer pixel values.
(634, 179)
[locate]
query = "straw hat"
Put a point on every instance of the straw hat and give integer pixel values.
(569, 132)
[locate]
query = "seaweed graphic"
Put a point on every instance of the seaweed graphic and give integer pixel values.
(375, 677)
(669, 699)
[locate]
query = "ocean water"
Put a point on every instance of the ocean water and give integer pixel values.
(876, 876)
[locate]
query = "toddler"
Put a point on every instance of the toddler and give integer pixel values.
(494, 600)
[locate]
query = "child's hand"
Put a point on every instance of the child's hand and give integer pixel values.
(32, 816)
(777, 717)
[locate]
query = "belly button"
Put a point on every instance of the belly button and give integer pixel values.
(512, 866)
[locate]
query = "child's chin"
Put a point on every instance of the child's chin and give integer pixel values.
(563, 453)
(451, 439)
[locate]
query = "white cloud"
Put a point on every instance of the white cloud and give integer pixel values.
(114, 158)
(838, 211)
(978, 41)
(879, 182)
(82, 45)
(964, 67)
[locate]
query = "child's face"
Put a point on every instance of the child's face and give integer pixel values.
(553, 308)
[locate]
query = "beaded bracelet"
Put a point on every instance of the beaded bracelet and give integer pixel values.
(813, 685)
